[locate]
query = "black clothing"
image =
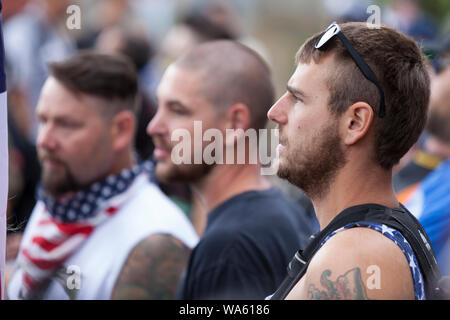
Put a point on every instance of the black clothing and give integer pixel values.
(247, 245)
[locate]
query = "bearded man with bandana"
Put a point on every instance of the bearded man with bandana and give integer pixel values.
(100, 229)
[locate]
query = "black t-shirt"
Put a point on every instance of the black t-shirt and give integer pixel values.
(248, 242)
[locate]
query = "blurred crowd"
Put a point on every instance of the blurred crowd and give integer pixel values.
(153, 34)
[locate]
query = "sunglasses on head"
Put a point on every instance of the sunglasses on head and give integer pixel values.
(335, 30)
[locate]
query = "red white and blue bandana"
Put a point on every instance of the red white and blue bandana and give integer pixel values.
(64, 225)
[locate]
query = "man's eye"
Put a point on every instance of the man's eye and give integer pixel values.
(179, 111)
(296, 99)
(69, 125)
(42, 120)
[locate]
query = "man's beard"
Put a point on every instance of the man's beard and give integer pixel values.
(313, 167)
(168, 172)
(57, 185)
(182, 173)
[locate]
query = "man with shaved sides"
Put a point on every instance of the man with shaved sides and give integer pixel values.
(100, 228)
(252, 230)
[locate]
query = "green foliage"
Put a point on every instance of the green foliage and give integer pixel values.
(439, 9)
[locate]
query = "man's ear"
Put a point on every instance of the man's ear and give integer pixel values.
(123, 128)
(237, 117)
(356, 122)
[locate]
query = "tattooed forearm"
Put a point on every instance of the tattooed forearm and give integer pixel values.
(348, 286)
(153, 269)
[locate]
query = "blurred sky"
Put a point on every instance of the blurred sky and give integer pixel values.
(278, 28)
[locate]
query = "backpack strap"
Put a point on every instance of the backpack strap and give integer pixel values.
(399, 219)
(414, 233)
(300, 262)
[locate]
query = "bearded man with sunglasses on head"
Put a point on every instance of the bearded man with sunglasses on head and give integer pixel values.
(355, 104)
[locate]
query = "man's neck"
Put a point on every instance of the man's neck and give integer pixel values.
(125, 160)
(355, 185)
(226, 181)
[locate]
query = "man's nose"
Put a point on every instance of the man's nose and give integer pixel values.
(156, 126)
(46, 137)
(277, 112)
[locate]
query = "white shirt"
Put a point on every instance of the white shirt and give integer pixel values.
(96, 266)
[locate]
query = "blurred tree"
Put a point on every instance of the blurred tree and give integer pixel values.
(439, 9)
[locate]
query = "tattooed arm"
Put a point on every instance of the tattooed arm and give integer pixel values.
(355, 264)
(348, 286)
(153, 269)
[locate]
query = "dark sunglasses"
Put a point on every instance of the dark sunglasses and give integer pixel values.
(335, 30)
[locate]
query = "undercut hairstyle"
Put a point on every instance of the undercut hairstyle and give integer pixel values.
(232, 73)
(400, 68)
(110, 77)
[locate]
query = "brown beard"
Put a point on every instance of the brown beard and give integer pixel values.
(57, 187)
(183, 173)
(312, 168)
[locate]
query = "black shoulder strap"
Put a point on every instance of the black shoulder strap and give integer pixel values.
(399, 219)
(414, 233)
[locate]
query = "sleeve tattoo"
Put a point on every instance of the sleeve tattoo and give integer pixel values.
(153, 269)
(348, 286)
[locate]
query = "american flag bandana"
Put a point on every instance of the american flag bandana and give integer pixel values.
(64, 225)
(83, 205)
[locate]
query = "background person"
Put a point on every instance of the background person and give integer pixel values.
(34, 37)
(98, 214)
(428, 174)
(251, 230)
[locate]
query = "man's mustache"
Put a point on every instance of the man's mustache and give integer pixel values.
(46, 156)
(282, 140)
(162, 143)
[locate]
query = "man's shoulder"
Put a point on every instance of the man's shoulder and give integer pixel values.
(224, 245)
(248, 242)
(151, 211)
(259, 217)
(162, 255)
(370, 242)
(149, 201)
(366, 263)
(269, 204)
(278, 216)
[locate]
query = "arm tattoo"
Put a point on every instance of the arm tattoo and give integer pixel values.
(348, 286)
(153, 269)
